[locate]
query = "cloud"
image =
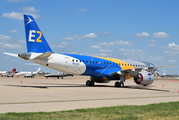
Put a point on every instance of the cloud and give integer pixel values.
(4, 37)
(18, 15)
(160, 35)
(81, 9)
(95, 46)
(143, 34)
(152, 58)
(13, 46)
(105, 54)
(152, 41)
(22, 41)
(171, 50)
(78, 37)
(29, 9)
(104, 50)
(67, 32)
(13, 31)
(152, 45)
(172, 61)
(132, 52)
(115, 43)
(62, 45)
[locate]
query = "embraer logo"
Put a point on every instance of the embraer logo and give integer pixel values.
(29, 21)
(149, 78)
(33, 35)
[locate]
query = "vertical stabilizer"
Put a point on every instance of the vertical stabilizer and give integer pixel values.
(34, 38)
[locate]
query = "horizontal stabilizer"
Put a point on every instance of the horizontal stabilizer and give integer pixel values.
(11, 54)
(44, 56)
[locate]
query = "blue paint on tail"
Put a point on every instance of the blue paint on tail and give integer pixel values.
(34, 37)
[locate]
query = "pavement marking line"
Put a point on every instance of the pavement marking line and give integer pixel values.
(86, 100)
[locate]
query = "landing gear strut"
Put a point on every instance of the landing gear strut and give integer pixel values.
(119, 84)
(89, 83)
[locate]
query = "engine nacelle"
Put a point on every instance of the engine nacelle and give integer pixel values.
(144, 78)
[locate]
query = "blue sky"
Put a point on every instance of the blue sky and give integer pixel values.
(139, 30)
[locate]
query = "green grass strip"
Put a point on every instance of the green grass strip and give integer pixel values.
(161, 111)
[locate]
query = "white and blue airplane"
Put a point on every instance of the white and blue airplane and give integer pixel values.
(100, 69)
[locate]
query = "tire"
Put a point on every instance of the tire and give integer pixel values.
(92, 83)
(122, 84)
(117, 84)
(87, 83)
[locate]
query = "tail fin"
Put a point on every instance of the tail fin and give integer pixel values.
(14, 70)
(34, 37)
(38, 70)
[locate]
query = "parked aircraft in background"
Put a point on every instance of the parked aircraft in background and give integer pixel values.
(100, 69)
(28, 74)
(58, 74)
(8, 73)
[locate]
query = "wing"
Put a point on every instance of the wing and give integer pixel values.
(133, 72)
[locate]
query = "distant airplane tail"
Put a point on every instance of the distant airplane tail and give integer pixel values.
(34, 37)
(38, 70)
(14, 70)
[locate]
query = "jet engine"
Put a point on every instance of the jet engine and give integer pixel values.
(144, 78)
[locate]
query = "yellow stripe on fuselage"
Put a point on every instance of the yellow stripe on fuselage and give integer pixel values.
(122, 64)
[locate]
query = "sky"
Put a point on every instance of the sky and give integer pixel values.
(143, 30)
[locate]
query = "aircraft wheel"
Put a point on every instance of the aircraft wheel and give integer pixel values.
(91, 83)
(62, 77)
(122, 84)
(88, 83)
(119, 84)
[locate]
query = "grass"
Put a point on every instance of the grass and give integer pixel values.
(163, 111)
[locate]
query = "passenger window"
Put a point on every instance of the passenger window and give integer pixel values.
(96, 62)
(80, 60)
(128, 64)
(73, 60)
(125, 64)
(107, 63)
(86, 61)
(93, 61)
(101, 62)
(104, 62)
(113, 63)
(122, 64)
(83, 61)
(119, 63)
(76, 60)
(90, 61)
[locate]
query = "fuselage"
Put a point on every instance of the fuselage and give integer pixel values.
(98, 67)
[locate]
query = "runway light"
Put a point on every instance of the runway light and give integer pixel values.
(163, 85)
(21, 81)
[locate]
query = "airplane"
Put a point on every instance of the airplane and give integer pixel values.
(57, 74)
(28, 74)
(100, 69)
(8, 73)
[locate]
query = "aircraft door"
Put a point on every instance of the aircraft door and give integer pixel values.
(67, 61)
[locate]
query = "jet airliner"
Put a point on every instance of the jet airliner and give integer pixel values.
(100, 69)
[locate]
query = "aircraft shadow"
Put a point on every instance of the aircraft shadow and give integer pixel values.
(81, 85)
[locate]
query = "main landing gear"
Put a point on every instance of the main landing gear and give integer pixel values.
(90, 83)
(119, 84)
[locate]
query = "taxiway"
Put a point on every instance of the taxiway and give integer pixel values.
(40, 94)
